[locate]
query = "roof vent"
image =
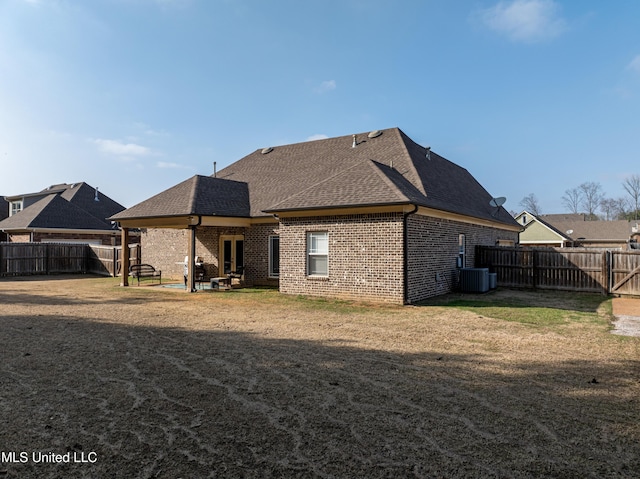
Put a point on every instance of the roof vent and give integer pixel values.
(428, 152)
(266, 150)
(95, 198)
(374, 134)
(355, 142)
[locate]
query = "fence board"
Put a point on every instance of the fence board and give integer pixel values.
(22, 259)
(625, 279)
(568, 269)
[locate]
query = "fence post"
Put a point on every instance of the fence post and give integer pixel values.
(534, 264)
(606, 272)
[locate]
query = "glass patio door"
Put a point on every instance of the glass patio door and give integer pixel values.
(231, 253)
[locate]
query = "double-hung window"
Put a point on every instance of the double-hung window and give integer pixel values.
(318, 253)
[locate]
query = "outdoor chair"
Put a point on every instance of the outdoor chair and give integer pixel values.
(238, 274)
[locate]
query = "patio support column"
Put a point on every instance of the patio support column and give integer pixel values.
(124, 269)
(191, 277)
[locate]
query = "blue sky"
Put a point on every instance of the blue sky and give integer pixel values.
(134, 96)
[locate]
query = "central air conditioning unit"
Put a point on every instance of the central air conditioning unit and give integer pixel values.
(474, 280)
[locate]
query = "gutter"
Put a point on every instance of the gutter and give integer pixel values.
(405, 254)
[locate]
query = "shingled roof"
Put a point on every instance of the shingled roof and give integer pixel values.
(53, 211)
(618, 230)
(64, 206)
(198, 195)
(387, 168)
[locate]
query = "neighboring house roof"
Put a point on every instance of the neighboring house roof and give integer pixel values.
(564, 228)
(619, 230)
(53, 212)
(67, 206)
(388, 169)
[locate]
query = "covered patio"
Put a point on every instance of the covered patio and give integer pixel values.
(201, 203)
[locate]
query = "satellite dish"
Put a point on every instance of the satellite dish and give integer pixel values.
(497, 202)
(569, 232)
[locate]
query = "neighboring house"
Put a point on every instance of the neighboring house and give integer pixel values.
(4, 213)
(370, 216)
(574, 230)
(62, 213)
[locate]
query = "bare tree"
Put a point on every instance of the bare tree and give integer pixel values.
(591, 197)
(614, 208)
(624, 208)
(530, 203)
(631, 185)
(572, 199)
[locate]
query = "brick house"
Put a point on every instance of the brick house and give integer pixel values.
(62, 213)
(371, 216)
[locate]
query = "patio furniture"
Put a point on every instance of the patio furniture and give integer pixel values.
(144, 271)
(238, 274)
(221, 282)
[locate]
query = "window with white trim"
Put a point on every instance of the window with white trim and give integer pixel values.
(274, 256)
(461, 251)
(16, 207)
(318, 253)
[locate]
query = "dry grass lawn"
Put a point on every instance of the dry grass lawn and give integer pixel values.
(148, 382)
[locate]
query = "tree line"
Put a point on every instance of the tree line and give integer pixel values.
(589, 199)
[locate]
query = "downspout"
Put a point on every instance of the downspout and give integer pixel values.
(405, 254)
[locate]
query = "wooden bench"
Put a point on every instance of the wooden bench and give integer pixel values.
(144, 271)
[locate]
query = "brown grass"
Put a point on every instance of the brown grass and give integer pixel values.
(159, 383)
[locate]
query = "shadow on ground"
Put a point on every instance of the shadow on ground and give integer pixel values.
(172, 402)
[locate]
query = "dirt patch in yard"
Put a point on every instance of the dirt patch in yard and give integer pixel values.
(148, 382)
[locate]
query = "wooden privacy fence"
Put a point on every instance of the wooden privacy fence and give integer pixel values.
(569, 269)
(108, 259)
(22, 259)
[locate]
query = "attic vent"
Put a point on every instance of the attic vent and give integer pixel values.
(266, 150)
(374, 134)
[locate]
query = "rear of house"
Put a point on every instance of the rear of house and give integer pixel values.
(370, 216)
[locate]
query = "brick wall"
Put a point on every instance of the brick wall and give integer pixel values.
(256, 254)
(20, 238)
(365, 257)
(163, 248)
(433, 250)
(105, 240)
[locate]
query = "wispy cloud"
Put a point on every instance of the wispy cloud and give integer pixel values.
(169, 165)
(634, 65)
(326, 86)
(319, 136)
(526, 21)
(119, 148)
